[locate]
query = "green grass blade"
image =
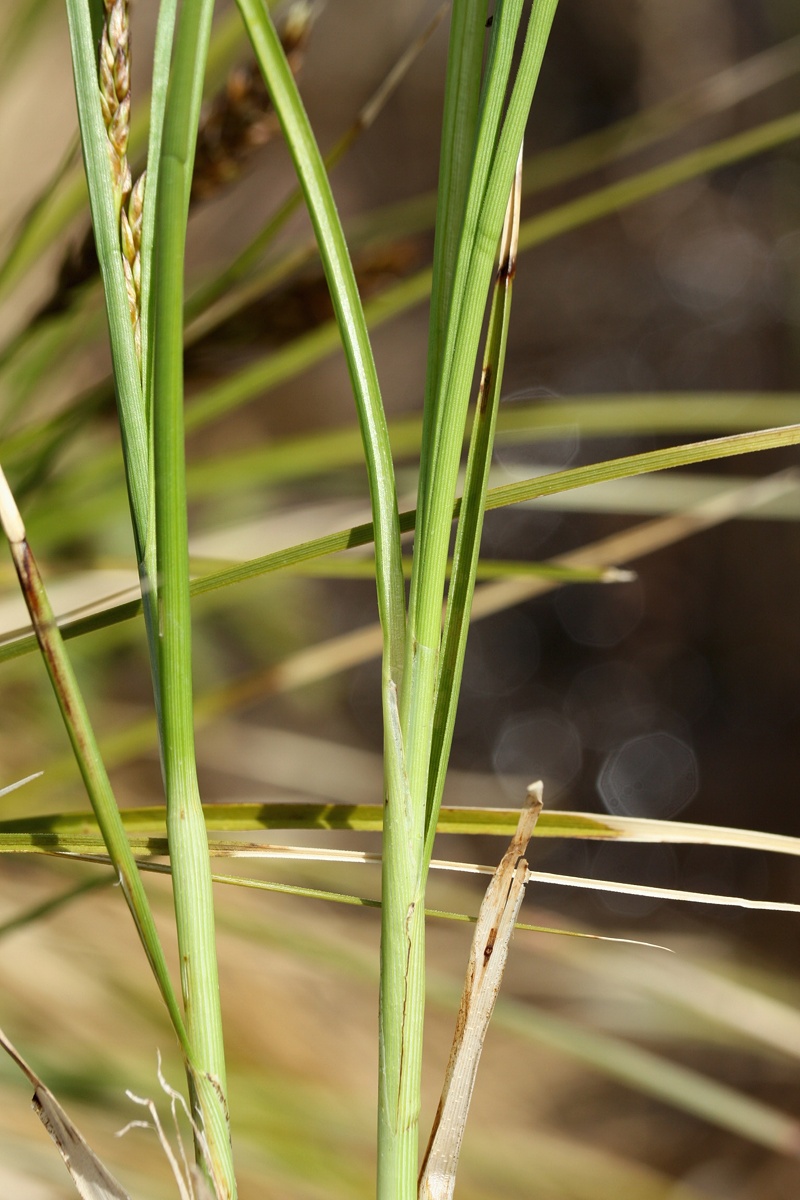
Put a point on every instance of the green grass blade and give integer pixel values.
(22, 832)
(86, 751)
(513, 493)
(458, 298)
(637, 464)
(309, 456)
(275, 368)
(459, 128)
(105, 218)
(470, 524)
(158, 103)
(74, 625)
(486, 188)
(202, 301)
(353, 330)
(349, 321)
(36, 912)
(52, 831)
(192, 890)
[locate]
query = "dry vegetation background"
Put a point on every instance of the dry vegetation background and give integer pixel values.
(693, 667)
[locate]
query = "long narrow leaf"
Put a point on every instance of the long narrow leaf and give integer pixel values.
(358, 352)
(459, 128)
(105, 218)
(86, 751)
(311, 455)
(349, 319)
(352, 648)
(216, 299)
(470, 523)
(24, 834)
(192, 890)
(158, 103)
(276, 367)
(89, 847)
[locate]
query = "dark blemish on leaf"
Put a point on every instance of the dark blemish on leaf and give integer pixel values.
(506, 271)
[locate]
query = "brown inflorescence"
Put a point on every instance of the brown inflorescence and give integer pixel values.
(241, 118)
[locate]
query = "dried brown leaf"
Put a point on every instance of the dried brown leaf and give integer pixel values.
(90, 1176)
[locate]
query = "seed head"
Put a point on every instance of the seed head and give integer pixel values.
(115, 92)
(130, 228)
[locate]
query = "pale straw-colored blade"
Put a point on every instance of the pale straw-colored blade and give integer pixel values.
(487, 960)
(88, 847)
(92, 1180)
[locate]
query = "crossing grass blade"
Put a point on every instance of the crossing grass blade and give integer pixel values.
(349, 649)
(26, 834)
(313, 455)
(86, 751)
(31, 915)
(256, 378)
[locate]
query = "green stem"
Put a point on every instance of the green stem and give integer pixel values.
(402, 915)
(470, 522)
(188, 842)
(87, 753)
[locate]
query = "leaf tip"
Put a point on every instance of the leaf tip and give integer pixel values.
(10, 517)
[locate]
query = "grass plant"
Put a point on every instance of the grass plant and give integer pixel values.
(75, 485)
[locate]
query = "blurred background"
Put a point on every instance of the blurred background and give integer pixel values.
(673, 694)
